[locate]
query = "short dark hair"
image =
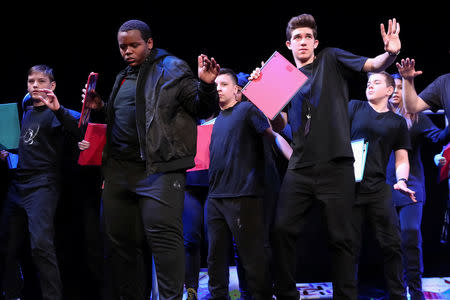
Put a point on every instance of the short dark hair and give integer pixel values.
(46, 70)
(229, 72)
(143, 28)
(303, 20)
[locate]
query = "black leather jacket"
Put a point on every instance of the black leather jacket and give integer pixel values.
(168, 99)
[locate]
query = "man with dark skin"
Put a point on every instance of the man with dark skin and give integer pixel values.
(151, 141)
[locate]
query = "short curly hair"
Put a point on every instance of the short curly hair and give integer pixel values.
(143, 28)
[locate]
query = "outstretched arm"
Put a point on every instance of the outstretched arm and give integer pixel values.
(411, 101)
(392, 46)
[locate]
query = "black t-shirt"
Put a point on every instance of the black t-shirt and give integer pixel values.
(41, 142)
(327, 93)
(124, 136)
(385, 132)
(437, 94)
(237, 152)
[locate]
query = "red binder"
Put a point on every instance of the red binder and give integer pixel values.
(279, 82)
(96, 136)
(443, 174)
(203, 140)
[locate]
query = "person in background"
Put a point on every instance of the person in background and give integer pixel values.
(421, 129)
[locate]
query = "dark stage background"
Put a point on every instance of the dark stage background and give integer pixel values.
(77, 38)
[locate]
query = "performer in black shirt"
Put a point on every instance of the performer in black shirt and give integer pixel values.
(235, 207)
(421, 129)
(321, 167)
(386, 132)
(35, 189)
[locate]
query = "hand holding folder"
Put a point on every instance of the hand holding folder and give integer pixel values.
(96, 136)
(278, 82)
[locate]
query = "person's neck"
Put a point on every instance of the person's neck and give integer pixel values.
(379, 106)
(228, 104)
(301, 63)
(395, 105)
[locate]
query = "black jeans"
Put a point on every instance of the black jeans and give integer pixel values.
(332, 185)
(378, 210)
(240, 219)
(138, 209)
(33, 203)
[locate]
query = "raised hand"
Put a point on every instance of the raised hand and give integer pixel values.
(391, 38)
(407, 69)
(256, 74)
(93, 99)
(208, 69)
(49, 98)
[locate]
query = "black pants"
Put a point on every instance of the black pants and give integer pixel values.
(33, 204)
(138, 209)
(378, 210)
(88, 220)
(194, 224)
(410, 217)
(332, 185)
(240, 219)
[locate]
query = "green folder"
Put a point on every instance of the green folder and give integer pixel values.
(9, 126)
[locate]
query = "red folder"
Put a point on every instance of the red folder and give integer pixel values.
(96, 136)
(278, 83)
(443, 174)
(203, 140)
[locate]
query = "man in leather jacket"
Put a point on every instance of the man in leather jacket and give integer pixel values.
(151, 141)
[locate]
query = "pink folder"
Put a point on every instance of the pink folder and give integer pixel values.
(203, 140)
(96, 136)
(279, 82)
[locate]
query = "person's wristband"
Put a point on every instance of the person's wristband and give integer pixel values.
(393, 54)
(403, 179)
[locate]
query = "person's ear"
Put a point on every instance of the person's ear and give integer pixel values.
(288, 45)
(150, 44)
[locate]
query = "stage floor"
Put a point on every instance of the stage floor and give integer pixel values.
(434, 288)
